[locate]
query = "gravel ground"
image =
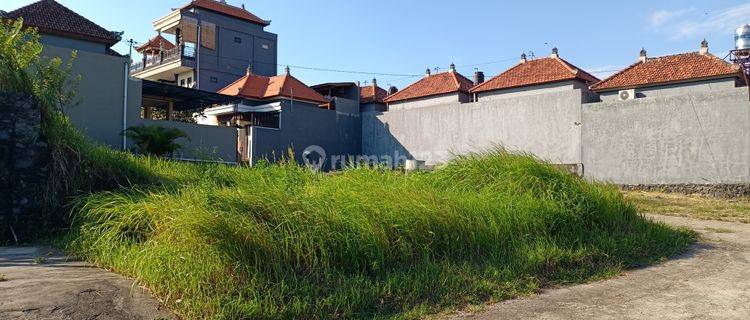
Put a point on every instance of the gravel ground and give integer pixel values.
(40, 283)
(711, 281)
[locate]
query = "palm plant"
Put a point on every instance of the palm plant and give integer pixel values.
(155, 140)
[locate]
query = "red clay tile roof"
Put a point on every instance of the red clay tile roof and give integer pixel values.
(157, 42)
(50, 17)
(372, 94)
(682, 67)
(260, 87)
(437, 84)
(226, 9)
(534, 72)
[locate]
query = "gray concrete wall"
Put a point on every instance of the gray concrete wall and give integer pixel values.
(714, 85)
(230, 59)
(448, 98)
(209, 143)
(76, 44)
(543, 124)
(701, 137)
(302, 126)
(98, 113)
(527, 90)
(348, 106)
(374, 107)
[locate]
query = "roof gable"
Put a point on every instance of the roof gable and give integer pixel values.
(372, 94)
(535, 72)
(157, 42)
(682, 67)
(225, 9)
(259, 87)
(50, 17)
(437, 84)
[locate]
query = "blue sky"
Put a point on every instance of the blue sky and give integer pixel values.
(405, 37)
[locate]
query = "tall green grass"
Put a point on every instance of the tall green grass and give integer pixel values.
(279, 241)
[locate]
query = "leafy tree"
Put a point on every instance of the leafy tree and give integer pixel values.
(155, 140)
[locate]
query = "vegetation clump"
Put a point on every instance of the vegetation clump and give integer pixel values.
(280, 241)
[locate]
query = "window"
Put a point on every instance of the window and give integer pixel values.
(190, 82)
(208, 35)
(265, 46)
(214, 80)
(182, 82)
(237, 40)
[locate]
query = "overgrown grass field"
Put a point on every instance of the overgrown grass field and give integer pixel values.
(280, 241)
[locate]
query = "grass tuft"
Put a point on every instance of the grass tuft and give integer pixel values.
(279, 241)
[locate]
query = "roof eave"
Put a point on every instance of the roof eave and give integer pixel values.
(422, 97)
(657, 84)
(78, 36)
(524, 85)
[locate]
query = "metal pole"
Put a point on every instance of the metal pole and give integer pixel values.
(128, 61)
(197, 55)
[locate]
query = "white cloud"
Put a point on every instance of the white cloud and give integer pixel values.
(681, 24)
(723, 21)
(603, 72)
(660, 17)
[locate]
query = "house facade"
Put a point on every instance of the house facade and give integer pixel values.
(689, 72)
(106, 99)
(372, 97)
(529, 77)
(442, 88)
(212, 43)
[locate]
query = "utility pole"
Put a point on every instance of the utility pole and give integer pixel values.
(128, 62)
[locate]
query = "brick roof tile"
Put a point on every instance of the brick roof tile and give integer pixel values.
(372, 94)
(50, 17)
(535, 72)
(437, 84)
(226, 9)
(260, 87)
(157, 42)
(682, 67)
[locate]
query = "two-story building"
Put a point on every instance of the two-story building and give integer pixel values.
(231, 39)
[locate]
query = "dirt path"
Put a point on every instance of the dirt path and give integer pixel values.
(712, 281)
(37, 283)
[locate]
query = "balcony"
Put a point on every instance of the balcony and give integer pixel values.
(166, 57)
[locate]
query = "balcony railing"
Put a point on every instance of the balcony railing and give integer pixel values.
(167, 56)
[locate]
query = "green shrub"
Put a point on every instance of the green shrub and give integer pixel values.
(155, 140)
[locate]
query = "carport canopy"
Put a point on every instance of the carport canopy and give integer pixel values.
(157, 94)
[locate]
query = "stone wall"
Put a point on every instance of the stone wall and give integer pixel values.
(24, 167)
